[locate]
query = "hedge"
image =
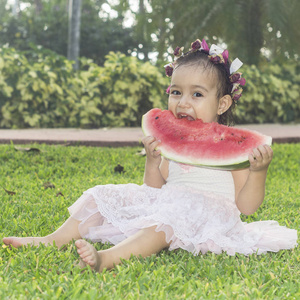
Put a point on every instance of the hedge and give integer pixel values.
(271, 94)
(40, 89)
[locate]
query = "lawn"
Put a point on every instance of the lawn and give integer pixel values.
(36, 189)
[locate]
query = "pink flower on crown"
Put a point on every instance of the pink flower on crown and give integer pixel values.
(242, 81)
(204, 46)
(237, 78)
(169, 70)
(236, 97)
(235, 87)
(225, 56)
(196, 45)
(168, 89)
(178, 51)
(237, 93)
(217, 58)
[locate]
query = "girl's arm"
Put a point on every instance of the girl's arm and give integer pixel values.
(156, 168)
(250, 183)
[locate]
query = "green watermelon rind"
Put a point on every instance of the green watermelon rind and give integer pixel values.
(237, 166)
(241, 164)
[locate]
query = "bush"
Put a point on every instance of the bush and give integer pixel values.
(39, 88)
(271, 95)
(128, 88)
(33, 92)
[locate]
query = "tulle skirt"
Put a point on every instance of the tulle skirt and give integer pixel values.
(193, 220)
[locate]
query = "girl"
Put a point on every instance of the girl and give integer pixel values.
(179, 206)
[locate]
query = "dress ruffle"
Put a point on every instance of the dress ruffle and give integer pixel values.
(194, 220)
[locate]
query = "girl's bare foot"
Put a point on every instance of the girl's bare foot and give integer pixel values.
(20, 241)
(88, 254)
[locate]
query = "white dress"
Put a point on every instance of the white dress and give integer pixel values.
(195, 208)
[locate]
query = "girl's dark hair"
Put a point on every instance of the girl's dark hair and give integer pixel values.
(224, 85)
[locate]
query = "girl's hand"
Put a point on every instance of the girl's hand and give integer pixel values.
(153, 155)
(260, 158)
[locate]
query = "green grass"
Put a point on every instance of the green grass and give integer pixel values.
(49, 273)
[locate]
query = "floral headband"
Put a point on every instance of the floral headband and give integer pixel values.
(218, 56)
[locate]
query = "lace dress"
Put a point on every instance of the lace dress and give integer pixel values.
(195, 208)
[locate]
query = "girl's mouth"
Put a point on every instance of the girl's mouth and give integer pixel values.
(185, 116)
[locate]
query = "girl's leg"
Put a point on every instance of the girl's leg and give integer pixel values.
(145, 243)
(62, 236)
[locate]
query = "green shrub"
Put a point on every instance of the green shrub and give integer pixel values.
(33, 93)
(39, 88)
(271, 95)
(130, 88)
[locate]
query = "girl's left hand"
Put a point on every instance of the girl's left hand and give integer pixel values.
(260, 158)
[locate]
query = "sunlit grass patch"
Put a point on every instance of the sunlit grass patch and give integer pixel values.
(46, 183)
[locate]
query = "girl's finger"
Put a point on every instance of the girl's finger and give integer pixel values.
(269, 150)
(263, 150)
(251, 158)
(156, 152)
(148, 139)
(154, 145)
(256, 154)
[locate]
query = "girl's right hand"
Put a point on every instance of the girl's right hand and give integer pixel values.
(153, 155)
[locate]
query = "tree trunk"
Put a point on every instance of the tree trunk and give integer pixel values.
(15, 8)
(141, 28)
(38, 6)
(74, 31)
(255, 35)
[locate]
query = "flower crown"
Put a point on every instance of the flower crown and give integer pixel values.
(218, 56)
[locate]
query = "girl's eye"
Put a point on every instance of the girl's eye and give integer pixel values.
(175, 92)
(197, 94)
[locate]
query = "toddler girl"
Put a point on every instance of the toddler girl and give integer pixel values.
(179, 206)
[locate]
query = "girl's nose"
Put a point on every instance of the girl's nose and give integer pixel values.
(184, 101)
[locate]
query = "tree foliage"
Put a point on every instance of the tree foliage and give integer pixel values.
(45, 23)
(248, 27)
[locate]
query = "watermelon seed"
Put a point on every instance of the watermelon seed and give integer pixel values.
(156, 118)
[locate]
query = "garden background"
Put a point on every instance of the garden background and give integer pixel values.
(123, 46)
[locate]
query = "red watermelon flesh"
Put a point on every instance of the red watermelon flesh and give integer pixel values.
(202, 144)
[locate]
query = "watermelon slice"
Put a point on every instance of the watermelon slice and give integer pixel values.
(202, 144)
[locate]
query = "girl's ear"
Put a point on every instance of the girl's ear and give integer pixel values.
(224, 104)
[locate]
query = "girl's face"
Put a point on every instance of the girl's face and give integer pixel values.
(193, 93)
